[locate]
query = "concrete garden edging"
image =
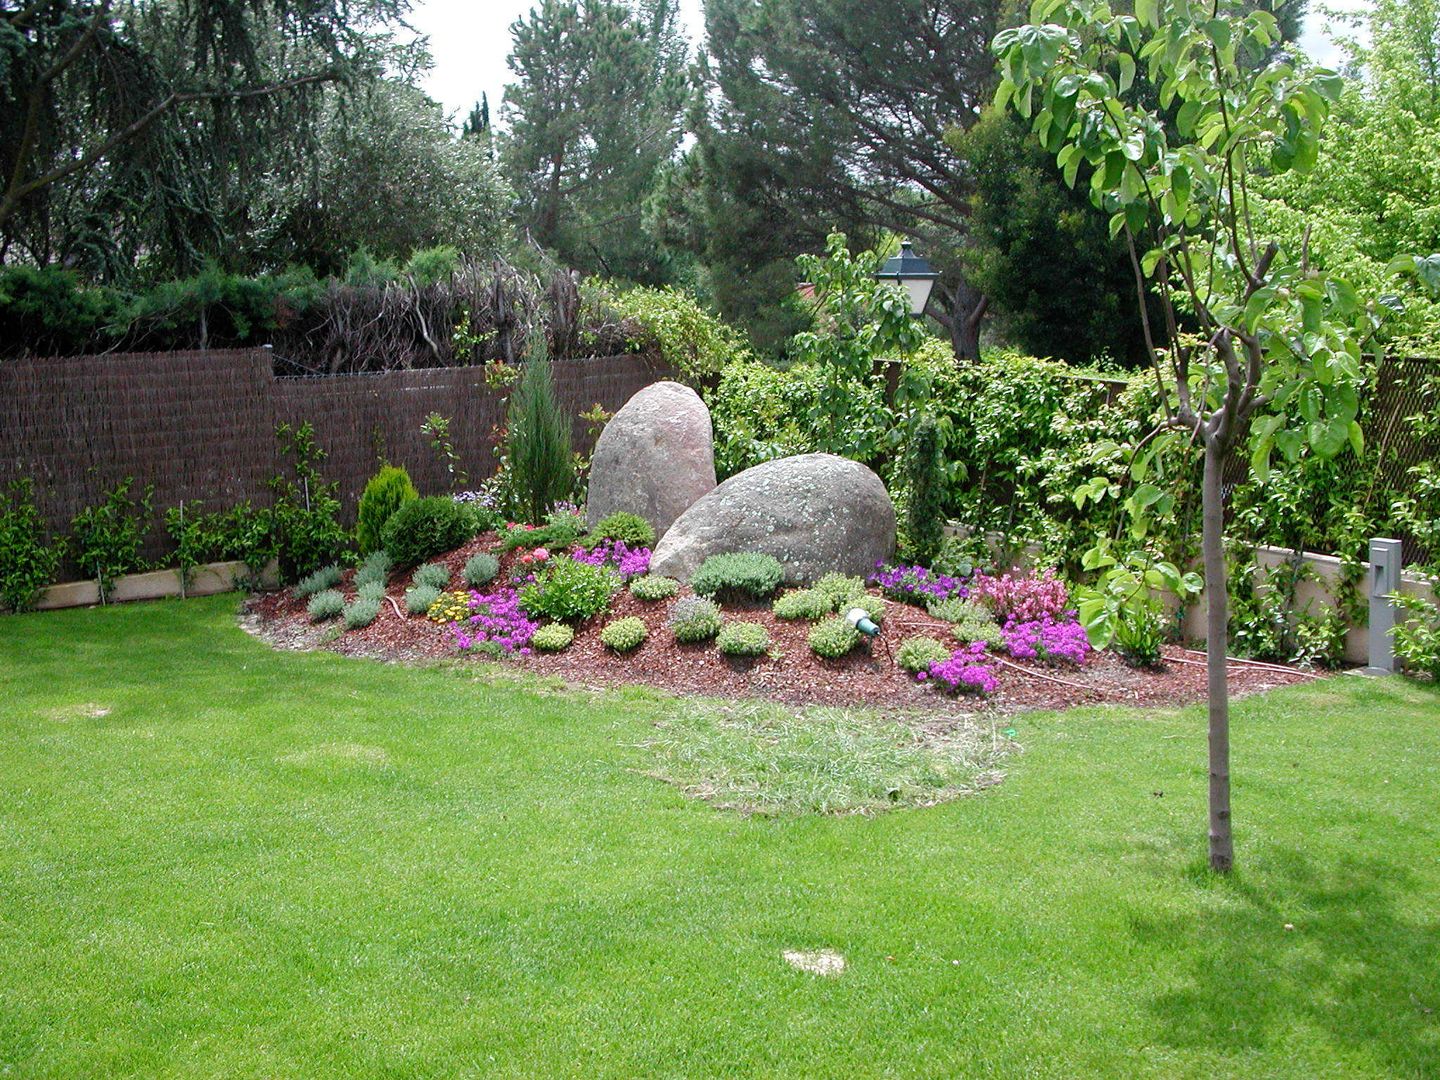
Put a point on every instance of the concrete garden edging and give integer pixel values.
(206, 580)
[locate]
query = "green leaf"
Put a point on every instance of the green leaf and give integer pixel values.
(1127, 72)
(1188, 114)
(1147, 12)
(1219, 31)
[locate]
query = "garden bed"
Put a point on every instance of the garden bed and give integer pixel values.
(792, 673)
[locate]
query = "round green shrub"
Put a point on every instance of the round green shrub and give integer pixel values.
(622, 635)
(986, 630)
(327, 604)
(918, 653)
(552, 637)
(833, 638)
(418, 600)
(622, 525)
(838, 588)
(954, 609)
(557, 535)
(371, 590)
(374, 567)
(361, 612)
(480, 569)
(803, 604)
(424, 528)
(693, 618)
(433, 574)
(654, 587)
(327, 577)
(387, 491)
(569, 590)
(738, 575)
(744, 639)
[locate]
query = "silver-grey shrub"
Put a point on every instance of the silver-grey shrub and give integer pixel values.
(326, 604)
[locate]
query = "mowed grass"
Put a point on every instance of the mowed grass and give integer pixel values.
(220, 860)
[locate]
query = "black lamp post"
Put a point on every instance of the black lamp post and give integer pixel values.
(914, 273)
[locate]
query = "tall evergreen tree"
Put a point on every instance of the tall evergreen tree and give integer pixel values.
(592, 117)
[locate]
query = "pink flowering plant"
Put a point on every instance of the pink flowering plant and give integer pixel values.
(1022, 599)
(496, 624)
(967, 671)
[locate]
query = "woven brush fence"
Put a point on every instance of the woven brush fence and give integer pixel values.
(200, 426)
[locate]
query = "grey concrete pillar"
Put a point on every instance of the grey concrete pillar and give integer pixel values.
(1384, 581)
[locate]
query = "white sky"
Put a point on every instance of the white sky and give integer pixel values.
(470, 39)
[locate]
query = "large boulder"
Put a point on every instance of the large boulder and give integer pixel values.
(814, 512)
(655, 457)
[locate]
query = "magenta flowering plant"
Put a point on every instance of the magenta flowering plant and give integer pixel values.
(631, 562)
(496, 623)
(917, 584)
(1012, 597)
(1048, 639)
(965, 672)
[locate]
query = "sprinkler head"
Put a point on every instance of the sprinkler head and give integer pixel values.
(859, 618)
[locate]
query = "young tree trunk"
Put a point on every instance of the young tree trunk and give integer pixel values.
(1222, 852)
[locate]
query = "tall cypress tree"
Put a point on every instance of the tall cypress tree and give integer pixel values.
(541, 468)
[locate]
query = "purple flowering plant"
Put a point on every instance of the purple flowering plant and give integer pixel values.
(966, 671)
(496, 624)
(630, 562)
(1048, 639)
(913, 584)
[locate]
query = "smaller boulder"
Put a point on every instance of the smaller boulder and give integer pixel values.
(655, 458)
(816, 513)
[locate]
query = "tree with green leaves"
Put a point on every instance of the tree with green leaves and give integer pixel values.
(1260, 345)
(542, 471)
(593, 114)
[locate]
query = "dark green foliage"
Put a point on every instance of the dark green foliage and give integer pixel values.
(737, 576)
(833, 638)
(567, 590)
(555, 536)
(374, 567)
(435, 575)
(803, 604)
(925, 476)
(361, 612)
(625, 634)
(552, 637)
(653, 587)
(419, 599)
(327, 577)
(27, 562)
(326, 605)
(46, 311)
(744, 639)
(634, 530)
(538, 440)
(388, 490)
(918, 653)
(424, 528)
(305, 517)
(693, 619)
(109, 536)
(480, 569)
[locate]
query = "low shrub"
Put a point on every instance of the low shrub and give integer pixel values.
(361, 612)
(744, 639)
(324, 605)
(970, 621)
(629, 528)
(424, 528)
(833, 638)
(436, 575)
(27, 563)
(371, 590)
(1417, 638)
(450, 607)
(388, 490)
(109, 536)
(567, 590)
(1010, 597)
(837, 588)
(694, 618)
(420, 599)
(803, 604)
(654, 587)
(622, 635)
(916, 654)
(480, 569)
(558, 535)
(374, 567)
(327, 577)
(553, 637)
(737, 576)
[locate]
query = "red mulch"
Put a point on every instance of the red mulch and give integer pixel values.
(795, 675)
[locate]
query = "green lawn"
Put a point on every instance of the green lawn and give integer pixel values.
(274, 864)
